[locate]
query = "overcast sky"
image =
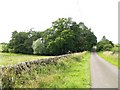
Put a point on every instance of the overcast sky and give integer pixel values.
(21, 15)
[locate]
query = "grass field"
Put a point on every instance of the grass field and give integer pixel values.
(111, 58)
(10, 58)
(71, 72)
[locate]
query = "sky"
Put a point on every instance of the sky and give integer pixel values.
(21, 15)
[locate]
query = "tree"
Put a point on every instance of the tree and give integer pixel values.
(21, 42)
(66, 36)
(104, 45)
(62, 37)
(4, 47)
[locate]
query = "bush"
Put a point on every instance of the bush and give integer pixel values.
(115, 49)
(5, 47)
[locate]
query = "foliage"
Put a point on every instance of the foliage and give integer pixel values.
(4, 47)
(116, 48)
(66, 36)
(21, 42)
(104, 45)
(71, 72)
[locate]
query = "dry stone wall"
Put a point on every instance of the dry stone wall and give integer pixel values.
(6, 73)
(27, 66)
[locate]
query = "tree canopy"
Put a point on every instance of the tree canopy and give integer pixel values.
(64, 36)
(104, 45)
(21, 42)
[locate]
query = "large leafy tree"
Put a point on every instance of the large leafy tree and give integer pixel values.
(67, 36)
(104, 45)
(21, 42)
(64, 36)
(17, 42)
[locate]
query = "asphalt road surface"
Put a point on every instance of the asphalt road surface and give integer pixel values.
(103, 74)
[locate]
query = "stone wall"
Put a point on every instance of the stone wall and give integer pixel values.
(27, 66)
(6, 73)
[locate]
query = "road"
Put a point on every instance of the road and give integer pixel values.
(103, 74)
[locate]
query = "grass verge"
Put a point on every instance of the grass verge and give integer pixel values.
(111, 58)
(71, 72)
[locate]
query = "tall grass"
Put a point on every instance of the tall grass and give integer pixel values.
(110, 57)
(71, 72)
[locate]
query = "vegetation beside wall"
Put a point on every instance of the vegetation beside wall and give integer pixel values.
(71, 72)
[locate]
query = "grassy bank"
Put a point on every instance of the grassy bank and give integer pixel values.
(71, 72)
(10, 58)
(110, 57)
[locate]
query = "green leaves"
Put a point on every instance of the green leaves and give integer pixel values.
(21, 42)
(67, 36)
(64, 36)
(104, 45)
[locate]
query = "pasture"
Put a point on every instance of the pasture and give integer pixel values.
(11, 58)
